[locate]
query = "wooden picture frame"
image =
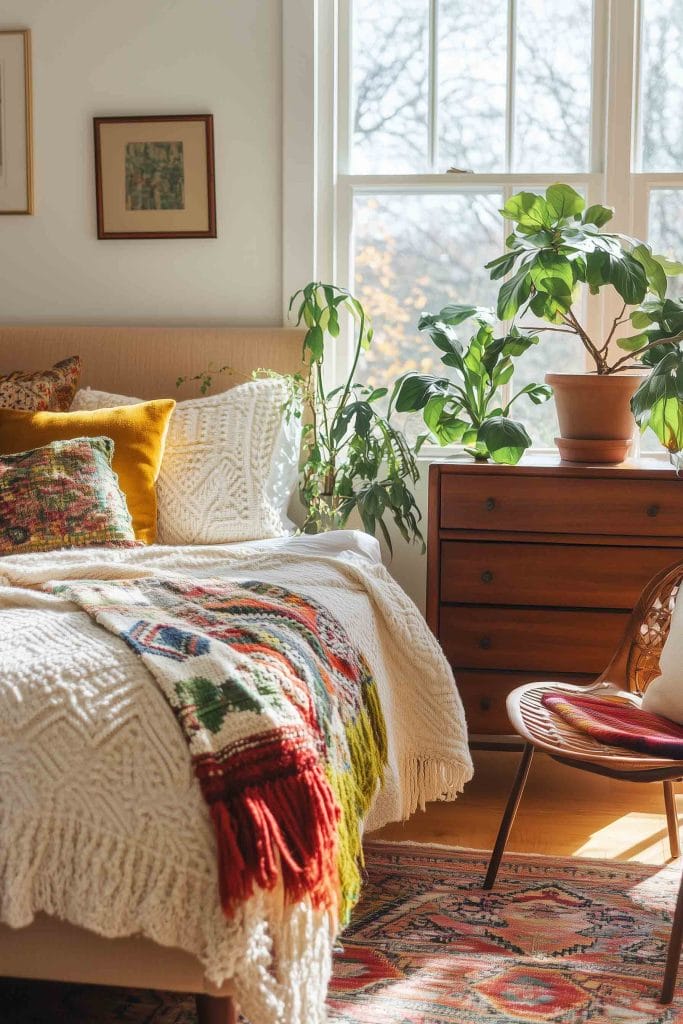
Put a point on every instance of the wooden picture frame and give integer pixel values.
(16, 128)
(155, 176)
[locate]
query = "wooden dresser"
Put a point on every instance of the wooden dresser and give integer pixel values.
(533, 569)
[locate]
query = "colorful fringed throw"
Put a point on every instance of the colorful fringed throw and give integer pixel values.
(282, 719)
(618, 723)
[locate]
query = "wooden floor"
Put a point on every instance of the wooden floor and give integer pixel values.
(563, 812)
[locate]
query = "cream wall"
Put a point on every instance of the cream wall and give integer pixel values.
(100, 57)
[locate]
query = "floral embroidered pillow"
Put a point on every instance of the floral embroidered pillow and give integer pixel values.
(43, 391)
(63, 495)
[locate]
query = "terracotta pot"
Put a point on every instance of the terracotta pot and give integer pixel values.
(596, 422)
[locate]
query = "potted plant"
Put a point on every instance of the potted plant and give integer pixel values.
(353, 457)
(466, 406)
(556, 246)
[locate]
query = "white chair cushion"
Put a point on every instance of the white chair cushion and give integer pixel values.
(664, 695)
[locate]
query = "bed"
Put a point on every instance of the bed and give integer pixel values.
(342, 571)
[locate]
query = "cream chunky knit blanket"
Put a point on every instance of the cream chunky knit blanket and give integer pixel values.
(101, 819)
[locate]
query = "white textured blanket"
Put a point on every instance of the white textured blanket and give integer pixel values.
(101, 820)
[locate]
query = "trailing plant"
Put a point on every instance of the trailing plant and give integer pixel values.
(205, 377)
(557, 245)
(466, 406)
(353, 457)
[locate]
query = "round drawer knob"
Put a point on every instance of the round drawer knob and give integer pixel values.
(485, 704)
(487, 576)
(490, 504)
(485, 643)
(652, 511)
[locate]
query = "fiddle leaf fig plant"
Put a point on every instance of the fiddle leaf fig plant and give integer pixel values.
(556, 246)
(466, 405)
(353, 457)
(658, 402)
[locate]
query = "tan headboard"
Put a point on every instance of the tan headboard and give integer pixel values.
(146, 361)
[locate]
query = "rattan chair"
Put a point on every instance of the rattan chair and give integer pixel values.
(631, 670)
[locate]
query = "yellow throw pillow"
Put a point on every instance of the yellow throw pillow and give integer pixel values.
(138, 433)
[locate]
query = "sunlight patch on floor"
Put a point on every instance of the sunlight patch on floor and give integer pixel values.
(636, 836)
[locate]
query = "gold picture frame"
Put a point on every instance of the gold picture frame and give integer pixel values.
(16, 127)
(154, 176)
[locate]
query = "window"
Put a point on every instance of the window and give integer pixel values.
(447, 107)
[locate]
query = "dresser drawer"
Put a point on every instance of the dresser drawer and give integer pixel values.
(577, 575)
(484, 694)
(537, 639)
(538, 504)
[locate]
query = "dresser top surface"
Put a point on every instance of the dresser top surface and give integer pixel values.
(548, 464)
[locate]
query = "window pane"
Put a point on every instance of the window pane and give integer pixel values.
(661, 95)
(415, 253)
(665, 232)
(472, 84)
(553, 86)
(390, 86)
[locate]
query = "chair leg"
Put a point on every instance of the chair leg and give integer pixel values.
(673, 953)
(509, 816)
(215, 1010)
(672, 818)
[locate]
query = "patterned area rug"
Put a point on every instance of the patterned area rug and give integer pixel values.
(561, 941)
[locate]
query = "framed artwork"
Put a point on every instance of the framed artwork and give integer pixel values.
(154, 176)
(16, 169)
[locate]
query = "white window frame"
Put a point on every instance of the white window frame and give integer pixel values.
(319, 191)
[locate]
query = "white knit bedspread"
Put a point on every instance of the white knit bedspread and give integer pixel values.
(102, 822)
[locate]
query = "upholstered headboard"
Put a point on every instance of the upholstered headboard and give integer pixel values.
(146, 361)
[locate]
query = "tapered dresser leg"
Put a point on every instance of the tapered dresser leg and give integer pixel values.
(213, 1010)
(672, 818)
(509, 816)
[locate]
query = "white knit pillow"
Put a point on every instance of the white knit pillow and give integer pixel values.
(664, 695)
(229, 466)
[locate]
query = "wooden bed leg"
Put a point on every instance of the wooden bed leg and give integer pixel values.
(215, 1010)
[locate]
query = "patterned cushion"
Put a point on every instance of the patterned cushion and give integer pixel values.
(64, 494)
(230, 464)
(45, 390)
(138, 434)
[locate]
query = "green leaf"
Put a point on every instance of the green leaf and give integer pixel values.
(516, 344)
(656, 278)
(315, 342)
(672, 268)
(502, 373)
(505, 439)
(549, 267)
(528, 210)
(633, 342)
(537, 393)
(415, 390)
(598, 215)
(564, 201)
(641, 317)
(502, 265)
(446, 428)
(513, 294)
(628, 277)
(666, 420)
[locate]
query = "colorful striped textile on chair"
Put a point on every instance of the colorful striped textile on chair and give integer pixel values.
(618, 723)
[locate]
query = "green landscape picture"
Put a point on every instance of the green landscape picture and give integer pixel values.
(155, 176)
